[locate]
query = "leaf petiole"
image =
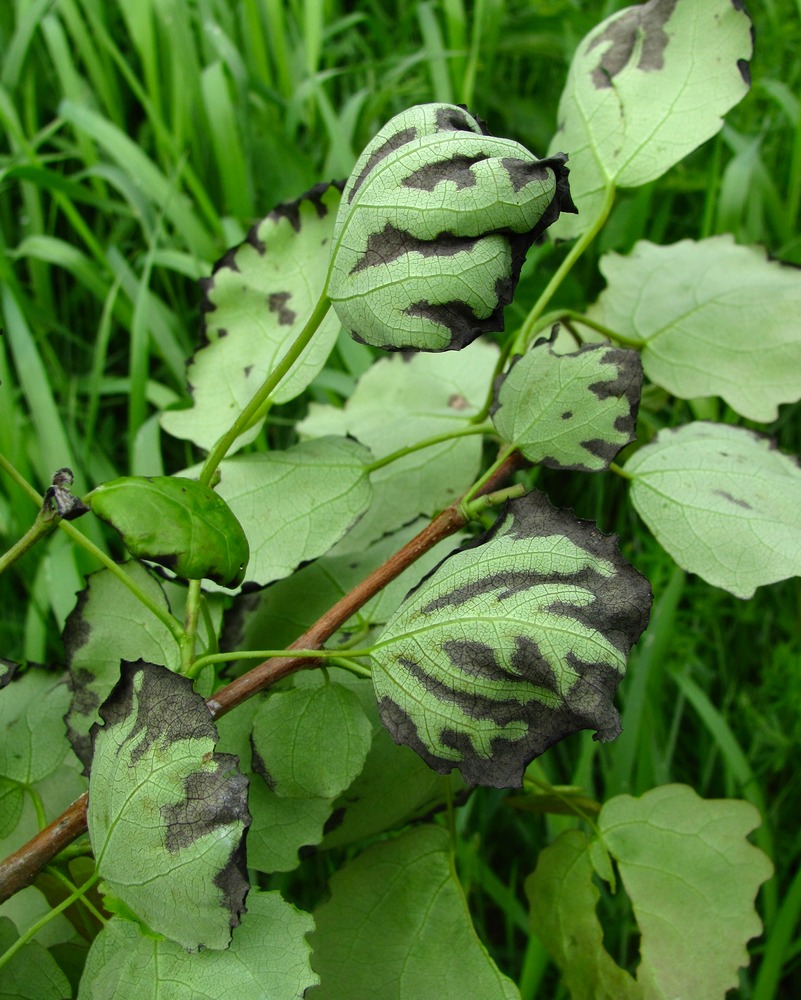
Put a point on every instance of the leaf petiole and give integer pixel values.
(485, 428)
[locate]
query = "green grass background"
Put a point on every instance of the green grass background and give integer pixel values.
(139, 140)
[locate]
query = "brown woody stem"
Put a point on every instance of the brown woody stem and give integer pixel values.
(20, 869)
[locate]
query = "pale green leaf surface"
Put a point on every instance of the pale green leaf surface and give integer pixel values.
(511, 644)
(713, 318)
(108, 624)
(563, 901)
(268, 958)
(33, 739)
(176, 522)
(295, 504)
(692, 877)
(310, 742)
(645, 88)
(570, 411)
(433, 228)
(32, 974)
(397, 927)
(167, 815)
(257, 301)
(399, 401)
(723, 501)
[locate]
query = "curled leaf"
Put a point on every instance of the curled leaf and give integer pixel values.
(178, 523)
(433, 228)
(511, 644)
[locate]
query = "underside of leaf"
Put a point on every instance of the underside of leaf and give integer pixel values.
(511, 644)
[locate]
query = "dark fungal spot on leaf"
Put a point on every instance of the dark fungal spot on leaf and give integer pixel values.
(211, 799)
(457, 169)
(605, 450)
(277, 303)
(7, 670)
(168, 709)
(567, 415)
(390, 244)
(732, 499)
(458, 319)
(451, 119)
(259, 767)
(390, 145)
(77, 629)
(523, 172)
(641, 26)
(232, 879)
(745, 71)
(457, 402)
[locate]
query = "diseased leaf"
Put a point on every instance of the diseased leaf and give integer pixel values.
(570, 411)
(295, 504)
(398, 402)
(32, 973)
(646, 87)
(723, 501)
(714, 319)
(110, 623)
(433, 228)
(397, 927)
(7, 670)
(167, 815)
(310, 742)
(176, 522)
(256, 302)
(268, 957)
(691, 876)
(511, 644)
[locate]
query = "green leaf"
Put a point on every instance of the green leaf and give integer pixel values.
(394, 786)
(691, 876)
(398, 402)
(310, 742)
(110, 623)
(281, 827)
(397, 927)
(645, 88)
(32, 974)
(570, 411)
(511, 644)
(167, 815)
(713, 318)
(256, 302)
(433, 228)
(277, 615)
(723, 501)
(33, 739)
(294, 505)
(268, 957)
(176, 522)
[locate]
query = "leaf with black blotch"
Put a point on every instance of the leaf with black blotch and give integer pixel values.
(110, 623)
(570, 411)
(433, 229)
(176, 522)
(256, 302)
(167, 814)
(511, 644)
(646, 87)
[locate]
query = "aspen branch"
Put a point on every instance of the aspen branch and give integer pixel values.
(21, 868)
